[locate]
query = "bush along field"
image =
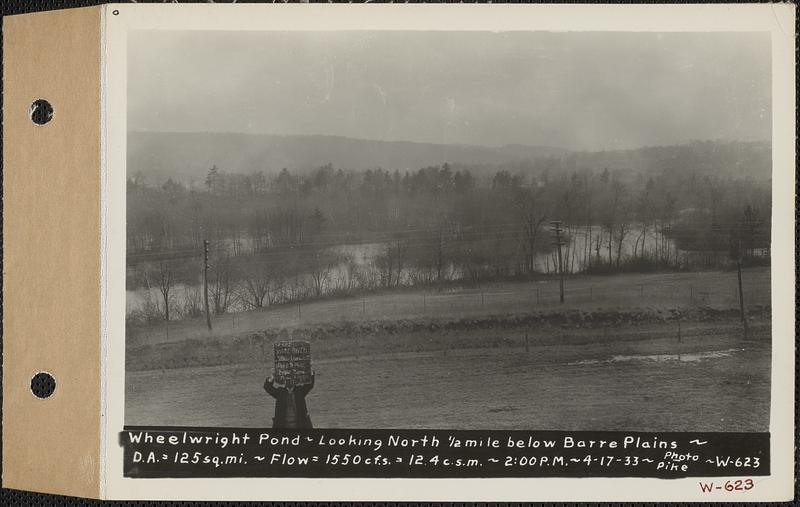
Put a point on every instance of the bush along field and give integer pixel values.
(684, 330)
(648, 367)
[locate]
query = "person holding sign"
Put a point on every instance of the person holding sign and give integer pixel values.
(291, 410)
(292, 379)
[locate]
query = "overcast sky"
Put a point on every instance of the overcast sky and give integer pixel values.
(574, 90)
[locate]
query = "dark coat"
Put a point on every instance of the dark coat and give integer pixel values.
(283, 398)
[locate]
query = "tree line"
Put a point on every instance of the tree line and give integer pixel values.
(284, 237)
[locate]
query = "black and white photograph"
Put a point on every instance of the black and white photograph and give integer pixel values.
(466, 230)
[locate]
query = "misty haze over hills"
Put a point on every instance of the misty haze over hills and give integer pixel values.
(184, 155)
(188, 156)
(472, 99)
(578, 90)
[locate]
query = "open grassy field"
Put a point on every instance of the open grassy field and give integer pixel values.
(634, 376)
(661, 352)
(662, 291)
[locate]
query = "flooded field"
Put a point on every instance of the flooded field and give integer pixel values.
(686, 358)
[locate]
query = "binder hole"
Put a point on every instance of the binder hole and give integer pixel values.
(40, 112)
(115, 12)
(42, 385)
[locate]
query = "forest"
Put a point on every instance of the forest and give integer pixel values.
(291, 235)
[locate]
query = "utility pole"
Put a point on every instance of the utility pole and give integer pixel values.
(741, 294)
(559, 243)
(205, 282)
(530, 244)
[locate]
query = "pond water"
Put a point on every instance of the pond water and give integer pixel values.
(580, 247)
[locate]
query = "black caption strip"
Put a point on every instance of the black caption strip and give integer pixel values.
(158, 452)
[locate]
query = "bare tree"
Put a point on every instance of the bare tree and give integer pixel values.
(612, 214)
(320, 265)
(220, 287)
(529, 207)
(165, 285)
(622, 230)
(391, 262)
(257, 278)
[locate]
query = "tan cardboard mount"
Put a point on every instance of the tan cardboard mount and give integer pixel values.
(51, 270)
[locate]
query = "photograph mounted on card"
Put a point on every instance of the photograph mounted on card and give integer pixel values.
(547, 247)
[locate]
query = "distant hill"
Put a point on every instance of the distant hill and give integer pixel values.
(166, 154)
(188, 156)
(722, 158)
